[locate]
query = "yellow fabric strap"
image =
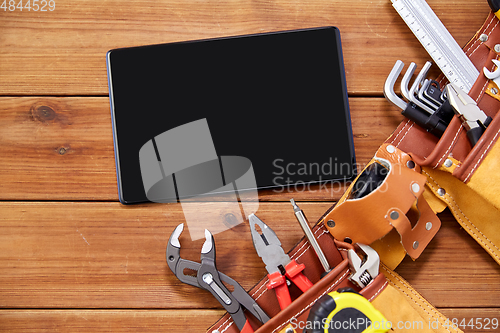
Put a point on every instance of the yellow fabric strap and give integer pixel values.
(407, 310)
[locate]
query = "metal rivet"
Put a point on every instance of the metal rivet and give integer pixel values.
(394, 215)
(448, 163)
(289, 330)
(428, 226)
(230, 220)
(415, 187)
(441, 192)
(390, 149)
(415, 245)
(494, 91)
(330, 223)
(208, 278)
(497, 48)
(410, 164)
(483, 38)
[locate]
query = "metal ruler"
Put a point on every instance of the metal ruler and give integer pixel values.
(438, 42)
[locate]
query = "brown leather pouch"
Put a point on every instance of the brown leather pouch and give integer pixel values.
(396, 208)
(399, 216)
(391, 295)
(460, 176)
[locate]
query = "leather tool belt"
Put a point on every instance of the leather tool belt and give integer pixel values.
(425, 174)
(388, 292)
(457, 175)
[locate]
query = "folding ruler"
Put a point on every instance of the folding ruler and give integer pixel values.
(438, 42)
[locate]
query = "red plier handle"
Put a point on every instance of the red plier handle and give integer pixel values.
(278, 282)
(247, 328)
(294, 273)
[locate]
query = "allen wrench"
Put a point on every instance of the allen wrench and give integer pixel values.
(414, 88)
(389, 93)
(405, 81)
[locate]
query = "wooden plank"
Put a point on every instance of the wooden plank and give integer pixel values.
(62, 52)
(107, 320)
(474, 320)
(56, 149)
(106, 255)
(62, 148)
(174, 320)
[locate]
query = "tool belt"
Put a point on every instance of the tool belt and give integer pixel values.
(463, 178)
(385, 212)
(455, 173)
(388, 292)
(423, 175)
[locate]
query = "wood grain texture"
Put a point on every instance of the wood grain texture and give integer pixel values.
(62, 148)
(106, 255)
(169, 320)
(72, 259)
(474, 320)
(107, 320)
(63, 52)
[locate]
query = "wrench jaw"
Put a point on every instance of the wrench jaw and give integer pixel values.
(208, 248)
(176, 264)
(495, 74)
(174, 248)
(363, 271)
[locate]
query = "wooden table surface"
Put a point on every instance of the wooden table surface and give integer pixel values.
(73, 259)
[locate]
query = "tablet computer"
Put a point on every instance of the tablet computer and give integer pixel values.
(278, 99)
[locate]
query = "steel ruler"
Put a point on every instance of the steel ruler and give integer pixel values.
(438, 42)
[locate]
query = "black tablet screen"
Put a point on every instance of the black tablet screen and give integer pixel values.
(277, 99)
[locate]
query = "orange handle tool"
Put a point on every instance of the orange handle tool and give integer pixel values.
(247, 328)
(278, 283)
(294, 273)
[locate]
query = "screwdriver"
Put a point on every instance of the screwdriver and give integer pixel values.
(495, 7)
(299, 214)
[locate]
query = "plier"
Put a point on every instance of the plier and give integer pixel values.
(209, 278)
(473, 118)
(278, 263)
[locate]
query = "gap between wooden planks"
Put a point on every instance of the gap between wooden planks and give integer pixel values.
(62, 148)
(105, 255)
(166, 320)
(63, 52)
